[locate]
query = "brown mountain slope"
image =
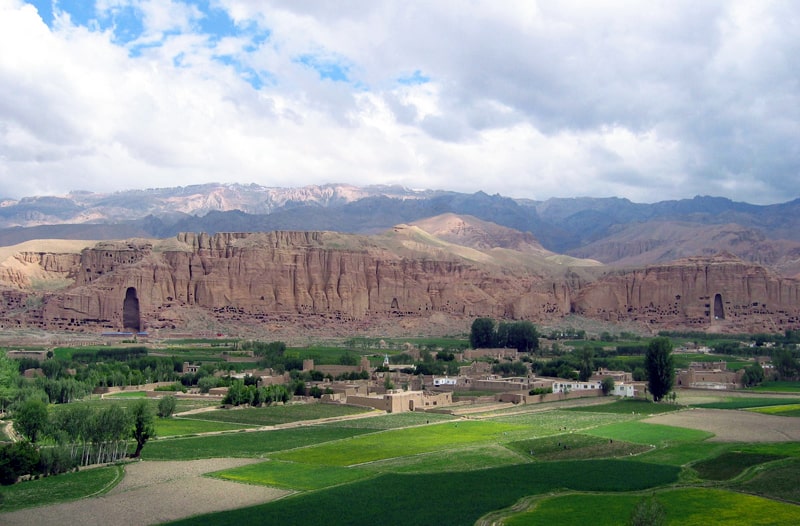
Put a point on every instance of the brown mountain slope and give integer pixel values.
(662, 241)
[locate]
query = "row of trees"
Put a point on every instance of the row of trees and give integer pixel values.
(75, 435)
(241, 394)
(485, 333)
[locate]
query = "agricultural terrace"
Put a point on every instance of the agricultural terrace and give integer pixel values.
(530, 465)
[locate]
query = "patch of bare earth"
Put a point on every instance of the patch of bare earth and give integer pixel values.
(153, 492)
(734, 426)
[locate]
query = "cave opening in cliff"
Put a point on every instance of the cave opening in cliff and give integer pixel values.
(130, 311)
(719, 309)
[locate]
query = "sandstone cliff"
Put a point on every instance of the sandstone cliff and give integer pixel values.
(352, 281)
(700, 292)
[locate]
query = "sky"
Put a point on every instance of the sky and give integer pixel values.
(531, 99)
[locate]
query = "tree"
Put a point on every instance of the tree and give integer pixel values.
(520, 335)
(30, 418)
(482, 334)
(17, 459)
(658, 363)
(785, 364)
(607, 385)
(753, 375)
(586, 357)
(9, 373)
(166, 406)
(143, 425)
(648, 512)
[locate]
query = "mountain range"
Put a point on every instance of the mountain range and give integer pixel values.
(613, 231)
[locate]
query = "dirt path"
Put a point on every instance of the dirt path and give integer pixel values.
(734, 426)
(153, 492)
(8, 429)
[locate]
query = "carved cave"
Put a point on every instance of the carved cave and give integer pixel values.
(130, 311)
(719, 309)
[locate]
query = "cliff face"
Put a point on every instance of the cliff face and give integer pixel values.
(256, 276)
(338, 279)
(696, 292)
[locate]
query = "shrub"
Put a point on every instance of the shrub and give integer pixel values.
(166, 406)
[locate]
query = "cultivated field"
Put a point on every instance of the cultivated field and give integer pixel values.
(527, 465)
(734, 426)
(151, 493)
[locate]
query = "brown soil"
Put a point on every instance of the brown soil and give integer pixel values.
(734, 426)
(154, 492)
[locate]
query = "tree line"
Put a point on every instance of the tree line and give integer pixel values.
(485, 333)
(73, 436)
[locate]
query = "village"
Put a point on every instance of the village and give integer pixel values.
(395, 388)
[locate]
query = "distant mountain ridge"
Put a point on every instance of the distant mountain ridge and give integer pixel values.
(614, 231)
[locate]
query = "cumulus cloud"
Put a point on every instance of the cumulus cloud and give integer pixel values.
(527, 99)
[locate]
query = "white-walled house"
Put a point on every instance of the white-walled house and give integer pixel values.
(572, 386)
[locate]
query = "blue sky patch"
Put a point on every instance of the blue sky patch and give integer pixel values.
(326, 68)
(414, 79)
(81, 12)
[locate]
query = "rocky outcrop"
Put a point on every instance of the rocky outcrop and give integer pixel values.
(697, 292)
(244, 278)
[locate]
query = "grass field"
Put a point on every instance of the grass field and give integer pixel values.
(748, 402)
(575, 446)
(561, 421)
(641, 433)
(450, 498)
(394, 421)
(780, 481)
(780, 410)
(427, 468)
(293, 476)
(625, 406)
(687, 507)
(252, 444)
(50, 490)
(127, 394)
(170, 427)
(730, 464)
(470, 458)
(402, 443)
(777, 387)
(278, 414)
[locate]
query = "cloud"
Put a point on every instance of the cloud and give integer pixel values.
(522, 98)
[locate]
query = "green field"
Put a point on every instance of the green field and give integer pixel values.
(170, 427)
(535, 464)
(780, 410)
(655, 434)
(748, 402)
(575, 446)
(66, 487)
(277, 414)
(730, 464)
(444, 498)
(293, 476)
(470, 458)
(687, 507)
(780, 481)
(777, 387)
(401, 443)
(250, 444)
(127, 394)
(626, 405)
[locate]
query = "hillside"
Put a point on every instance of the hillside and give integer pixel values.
(427, 278)
(611, 230)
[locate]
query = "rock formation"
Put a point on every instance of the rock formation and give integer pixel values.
(239, 278)
(696, 292)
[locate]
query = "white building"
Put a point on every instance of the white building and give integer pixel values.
(444, 381)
